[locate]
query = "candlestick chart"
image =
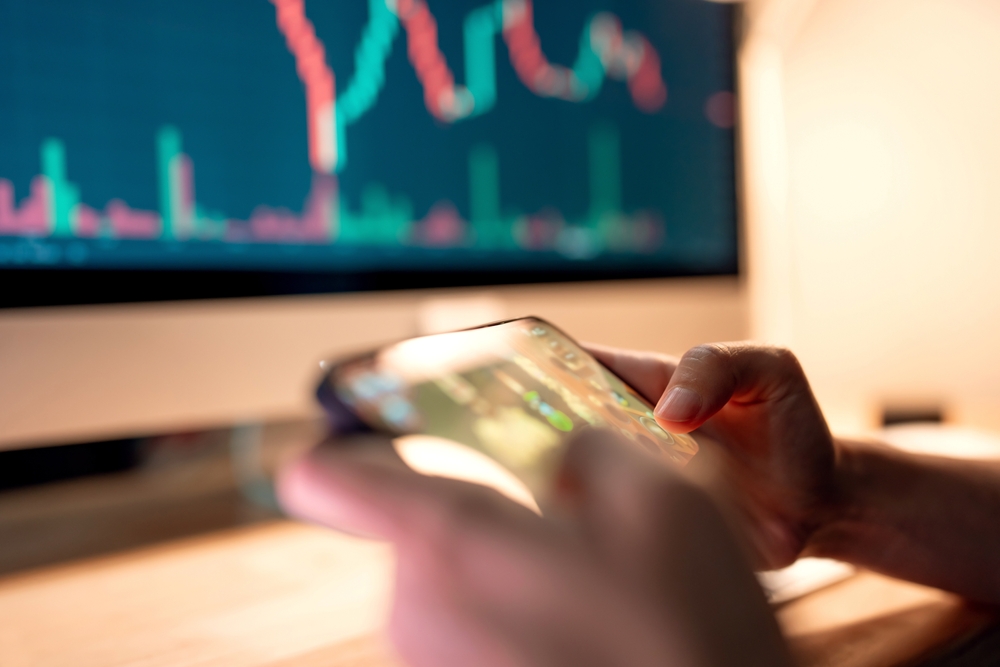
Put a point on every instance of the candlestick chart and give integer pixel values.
(294, 133)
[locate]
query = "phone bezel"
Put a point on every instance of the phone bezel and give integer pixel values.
(343, 420)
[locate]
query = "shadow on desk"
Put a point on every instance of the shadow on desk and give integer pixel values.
(172, 563)
(282, 594)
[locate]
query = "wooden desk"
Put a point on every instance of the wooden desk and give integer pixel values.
(282, 594)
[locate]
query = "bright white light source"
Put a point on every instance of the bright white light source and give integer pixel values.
(802, 577)
(446, 458)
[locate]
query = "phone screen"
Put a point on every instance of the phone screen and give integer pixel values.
(515, 391)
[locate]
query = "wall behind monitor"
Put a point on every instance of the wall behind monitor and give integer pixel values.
(875, 208)
(74, 374)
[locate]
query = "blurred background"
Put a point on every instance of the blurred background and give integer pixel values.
(872, 208)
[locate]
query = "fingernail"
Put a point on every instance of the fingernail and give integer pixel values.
(680, 405)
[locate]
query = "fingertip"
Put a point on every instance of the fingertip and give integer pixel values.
(679, 406)
(679, 428)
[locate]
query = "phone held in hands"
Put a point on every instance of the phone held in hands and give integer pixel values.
(513, 391)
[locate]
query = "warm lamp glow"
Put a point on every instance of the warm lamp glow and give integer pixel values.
(849, 162)
(871, 162)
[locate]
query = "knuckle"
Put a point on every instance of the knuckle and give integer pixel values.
(775, 357)
(783, 354)
(786, 360)
(714, 361)
(710, 353)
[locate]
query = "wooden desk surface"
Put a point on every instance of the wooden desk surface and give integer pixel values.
(283, 594)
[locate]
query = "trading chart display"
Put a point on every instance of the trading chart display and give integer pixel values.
(366, 136)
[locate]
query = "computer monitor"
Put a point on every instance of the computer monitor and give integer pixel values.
(162, 151)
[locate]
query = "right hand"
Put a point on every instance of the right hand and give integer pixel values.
(762, 427)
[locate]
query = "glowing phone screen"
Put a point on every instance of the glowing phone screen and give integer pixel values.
(514, 391)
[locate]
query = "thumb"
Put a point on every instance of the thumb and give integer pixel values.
(709, 377)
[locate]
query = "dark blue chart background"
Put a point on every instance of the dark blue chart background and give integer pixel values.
(105, 75)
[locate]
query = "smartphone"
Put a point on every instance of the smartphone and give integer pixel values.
(515, 391)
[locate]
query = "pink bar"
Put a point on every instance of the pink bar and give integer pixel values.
(539, 231)
(268, 224)
(281, 225)
(127, 223)
(7, 225)
(187, 187)
(265, 225)
(88, 221)
(441, 227)
(32, 218)
(316, 216)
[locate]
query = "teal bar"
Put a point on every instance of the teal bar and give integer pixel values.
(369, 73)
(403, 218)
(348, 230)
(484, 195)
(384, 219)
(588, 68)
(605, 171)
(479, 31)
(340, 127)
(369, 62)
(376, 210)
(168, 149)
(63, 195)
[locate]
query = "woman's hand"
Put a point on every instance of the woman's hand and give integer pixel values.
(634, 566)
(773, 455)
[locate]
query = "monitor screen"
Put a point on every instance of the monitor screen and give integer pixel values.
(198, 148)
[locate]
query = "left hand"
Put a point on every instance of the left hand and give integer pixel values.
(767, 454)
(635, 568)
